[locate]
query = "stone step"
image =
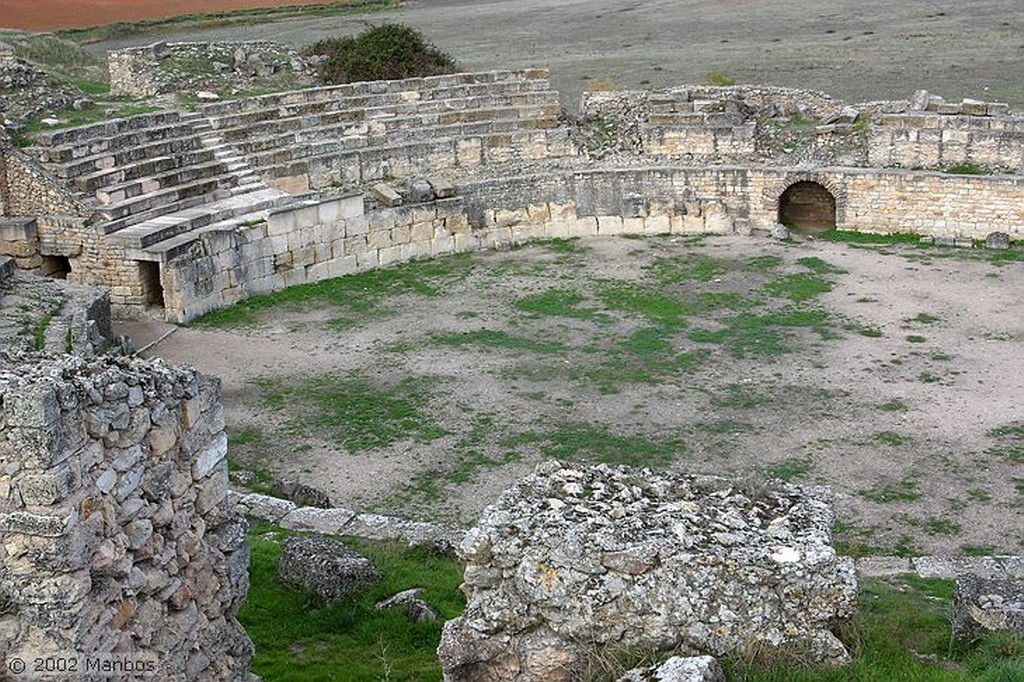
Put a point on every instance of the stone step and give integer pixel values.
(104, 129)
(281, 121)
(436, 87)
(133, 137)
(146, 234)
(105, 161)
(167, 198)
(95, 180)
(179, 245)
(119, 192)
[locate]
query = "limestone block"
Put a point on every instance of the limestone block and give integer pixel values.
(324, 567)
(386, 194)
(609, 225)
(389, 255)
(974, 107)
(317, 520)
(658, 224)
(266, 507)
(556, 229)
(656, 561)
(583, 227)
(985, 605)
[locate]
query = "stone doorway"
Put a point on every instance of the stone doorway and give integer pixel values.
(808, 206)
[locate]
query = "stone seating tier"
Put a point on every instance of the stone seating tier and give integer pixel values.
(527, 78)
(115, 142)
(107, 177)
(535, 105)
(146, 234)
(107, 129)
(111, 160)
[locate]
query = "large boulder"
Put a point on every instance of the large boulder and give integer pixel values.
(572, 559)
(986, 605)
(324, 567)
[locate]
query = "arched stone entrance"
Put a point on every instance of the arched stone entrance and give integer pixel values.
(808, 206)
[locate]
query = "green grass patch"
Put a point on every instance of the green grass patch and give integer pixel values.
(894, 405)
(891, 438)
(298, 639)
(350, 411)
(707, 302)
(1009, 442)
(818, 266)
(889, 491)
(647, 356)
(557, 302)
(850, 237)
(359, 293)
(764, 263)
(644, 300)
(924, 318)
(752, 335)
(789, 469)
(595, 443)
(490, 338)
(38, 332)
(798, 287)
(915, 338)
(689, 268)
(740, 397)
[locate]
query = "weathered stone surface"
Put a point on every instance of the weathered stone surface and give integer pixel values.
(415, 609)
(300, 493)
(678, 669)
(780, 232)
(984, 605)
(997, 240)
(324, 567)
(130, 548)
(386, 194)
(635, 558)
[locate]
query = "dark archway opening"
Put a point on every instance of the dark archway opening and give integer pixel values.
(152, 289)
(58, 267)
(808, 206)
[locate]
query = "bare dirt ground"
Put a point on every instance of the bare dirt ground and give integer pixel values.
(856, 50)
(901, 386)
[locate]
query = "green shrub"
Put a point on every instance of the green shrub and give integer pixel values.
(386, 52)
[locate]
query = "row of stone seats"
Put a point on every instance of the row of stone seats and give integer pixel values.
(372, 93)
(67, 139)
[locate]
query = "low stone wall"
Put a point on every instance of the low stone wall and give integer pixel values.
(933, 140)
(119, 547)
(337, 236)
(575, 559)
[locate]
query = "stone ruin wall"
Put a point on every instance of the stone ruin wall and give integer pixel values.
(337, 236)
(729, 179)
(163, 67)
(119, 542)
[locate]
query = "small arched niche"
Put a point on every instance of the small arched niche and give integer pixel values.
(808, 206)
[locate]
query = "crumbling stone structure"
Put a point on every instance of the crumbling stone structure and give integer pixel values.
(183, 213)
(119, 547)
(571, 561)
(187, 67)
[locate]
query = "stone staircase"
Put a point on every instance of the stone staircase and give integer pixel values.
(155, 177)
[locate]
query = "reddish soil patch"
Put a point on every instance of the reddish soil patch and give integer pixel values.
(49, 15)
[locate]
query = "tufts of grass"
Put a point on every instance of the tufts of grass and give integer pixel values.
(691, 268)
(915, 338)
(350, 411)
(38, 332)
(298, 639)
(644, 300)
(894, 405)
(820, 267)
(764, 263)
(924, 318)
(359, 293)
(798, 287)
(1009, 442)
(789, 469)
(900, 491)
(740, 396)
(891, 438)
(558, 303)
(718, 78)
(595, 443)
(850, 237)
(750, 334)
(490, 338)
(647, 356)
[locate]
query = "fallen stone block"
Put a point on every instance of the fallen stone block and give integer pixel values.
(573, 559)
(984, 605)
(415, 609)
(974, 107)
(442, 188)
(324, 567)
(386, 194)
(678, 669)
(997, 240)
